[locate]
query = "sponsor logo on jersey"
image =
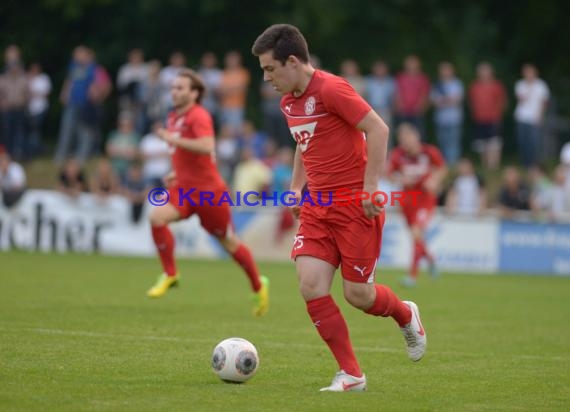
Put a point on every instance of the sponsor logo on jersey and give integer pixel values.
(303, 134)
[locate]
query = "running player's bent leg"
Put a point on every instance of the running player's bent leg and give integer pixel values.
(377, 300)
(243, 257)
(159, 218)
(315, 279)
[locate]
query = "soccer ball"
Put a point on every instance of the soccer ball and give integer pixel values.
(235, 360)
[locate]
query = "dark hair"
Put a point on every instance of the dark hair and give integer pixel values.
(196, 82)
(284, 40)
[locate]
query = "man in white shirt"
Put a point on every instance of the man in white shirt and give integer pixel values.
(12, 179)
(532, 95)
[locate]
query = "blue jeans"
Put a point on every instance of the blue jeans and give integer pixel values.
(449, 141)
(528, 136)
(14, 130)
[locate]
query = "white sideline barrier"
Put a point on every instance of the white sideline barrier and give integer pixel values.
(49, 221)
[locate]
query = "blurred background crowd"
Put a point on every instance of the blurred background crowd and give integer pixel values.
(105, 140)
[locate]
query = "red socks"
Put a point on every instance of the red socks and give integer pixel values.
(244, 258)
(164, 242)
(420, 251)
(332, 327)
(388, 304)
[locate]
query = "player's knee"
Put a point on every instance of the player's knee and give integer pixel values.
(159, 217)
(361, 296)
(310, 288)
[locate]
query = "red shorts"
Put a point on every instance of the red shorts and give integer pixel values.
(419, 211)
(216, 218)
(341, 235)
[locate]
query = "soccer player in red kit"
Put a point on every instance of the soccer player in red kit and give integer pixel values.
(419, 168)
(190, 133)
(336, 132)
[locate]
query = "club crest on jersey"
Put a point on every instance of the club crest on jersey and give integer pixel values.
(179, 122)
(310, 104)
(303, 134)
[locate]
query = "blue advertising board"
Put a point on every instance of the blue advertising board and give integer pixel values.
(534, 248)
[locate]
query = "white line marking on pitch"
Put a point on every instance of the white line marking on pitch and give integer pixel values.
(270, 344)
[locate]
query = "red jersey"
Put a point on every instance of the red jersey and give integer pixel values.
(488, 101)
(323, 123)
(415, 168)
(193, 170)
(413, 90)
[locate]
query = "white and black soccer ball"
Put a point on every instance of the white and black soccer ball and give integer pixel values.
(235, 360)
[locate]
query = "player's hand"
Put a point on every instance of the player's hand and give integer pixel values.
(164, 135)
(370, 209)
(295, 209)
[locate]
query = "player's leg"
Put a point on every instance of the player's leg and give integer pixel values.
(418, 219)
(243, 257)
(159, 218)
(362, 238)
(217, 221)
(315, 280)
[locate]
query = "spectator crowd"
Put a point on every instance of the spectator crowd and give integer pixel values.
(132, 158)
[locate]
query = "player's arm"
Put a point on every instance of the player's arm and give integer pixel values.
(203, 145)
(298, 180)
(434, 181)
(376, 149)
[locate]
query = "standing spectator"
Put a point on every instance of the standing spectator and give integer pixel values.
(154, 109)
(514, 195)
(122, 146)
(447, 97)
(12, 56)
(13, 104)
(380, 89)
(99, 91)
(212, 76)
(273, 122)
(71, 179)
(412, 94)
(39, 85)
(130, 80)
(233, 91)
(532, 98)
(77, 122)
(155, 154)
(167, 76)
(467, 196)
(350, 71)
(488, 101)
(12, 179)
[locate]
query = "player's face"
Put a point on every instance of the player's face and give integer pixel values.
(283, 77)
(181, 92)
(409, 141)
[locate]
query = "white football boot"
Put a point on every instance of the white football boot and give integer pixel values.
(343, 382)
(414, 334)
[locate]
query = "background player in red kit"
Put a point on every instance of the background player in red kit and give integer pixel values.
(191, 135)
(419, 168)
(329, 121)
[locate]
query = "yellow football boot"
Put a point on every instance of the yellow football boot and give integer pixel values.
(162, 285)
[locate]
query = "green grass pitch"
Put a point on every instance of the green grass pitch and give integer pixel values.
(77, 333)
